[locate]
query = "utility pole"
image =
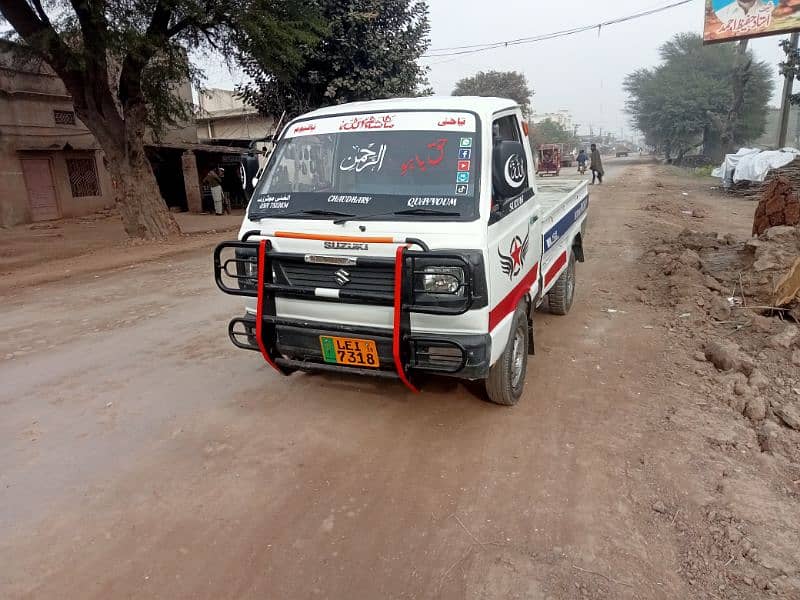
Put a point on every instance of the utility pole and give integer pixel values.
(789, 71)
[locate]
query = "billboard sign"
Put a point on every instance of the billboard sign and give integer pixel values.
(728, 20)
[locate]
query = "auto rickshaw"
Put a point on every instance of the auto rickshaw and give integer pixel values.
(549, 162)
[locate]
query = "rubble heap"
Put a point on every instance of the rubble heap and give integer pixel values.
(741, 302)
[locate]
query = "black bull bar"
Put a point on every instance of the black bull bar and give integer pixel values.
(251, 270)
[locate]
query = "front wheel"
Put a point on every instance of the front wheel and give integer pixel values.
(507, 376)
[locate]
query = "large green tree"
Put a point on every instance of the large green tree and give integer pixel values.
(499, 84)
(550, 132)
(711, 95)
(121, 60)
(368, 50)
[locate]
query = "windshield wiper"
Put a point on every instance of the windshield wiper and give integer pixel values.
(317, 212)
(407, 211)
(428, 211)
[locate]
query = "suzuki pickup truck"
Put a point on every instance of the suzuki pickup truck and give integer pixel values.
(399, 237)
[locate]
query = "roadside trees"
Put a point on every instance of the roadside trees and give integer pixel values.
(712, 96)
(120, 61)
(501, 84)
(368, 50)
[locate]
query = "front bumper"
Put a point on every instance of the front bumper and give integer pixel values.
(298, 347)
(289, 344)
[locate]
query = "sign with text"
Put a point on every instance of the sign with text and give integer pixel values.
(728, 20)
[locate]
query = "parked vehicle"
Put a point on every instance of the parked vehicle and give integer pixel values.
(567, 158)
(549, 162)
(406, 236)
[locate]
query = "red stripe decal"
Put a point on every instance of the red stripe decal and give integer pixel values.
(262, 257)
(508, 304)
(553, 271)
(398, 308)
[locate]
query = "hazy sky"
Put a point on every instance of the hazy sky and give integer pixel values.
(581, 73)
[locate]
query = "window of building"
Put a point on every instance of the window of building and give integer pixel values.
(64, 117)
(83, 177)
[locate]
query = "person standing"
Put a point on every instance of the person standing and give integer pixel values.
(596, 164)
(214, 181)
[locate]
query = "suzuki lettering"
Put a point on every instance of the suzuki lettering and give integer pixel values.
(346, 246)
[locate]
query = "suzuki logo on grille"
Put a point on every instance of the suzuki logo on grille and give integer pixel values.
(342, 277)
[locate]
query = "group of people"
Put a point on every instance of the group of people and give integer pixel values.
(595, 163)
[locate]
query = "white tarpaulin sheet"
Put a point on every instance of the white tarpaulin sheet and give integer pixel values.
(751, 164)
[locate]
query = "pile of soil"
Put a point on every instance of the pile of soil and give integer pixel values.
(748, 357)
(719, 285)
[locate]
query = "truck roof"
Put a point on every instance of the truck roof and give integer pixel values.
(478, 104)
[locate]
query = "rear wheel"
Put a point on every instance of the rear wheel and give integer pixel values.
(506, 379)
(561, 294)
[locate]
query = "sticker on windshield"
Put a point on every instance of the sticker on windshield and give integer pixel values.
(463, 165)
(272, 202)
(462, 177)
(348, 199)
(464, 154)
(371, 122)
(363, 158)
(462, 189)
(448, 202)
(460, 121)
(466, 142)
(435, 157)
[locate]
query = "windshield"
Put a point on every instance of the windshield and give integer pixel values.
(420, 164)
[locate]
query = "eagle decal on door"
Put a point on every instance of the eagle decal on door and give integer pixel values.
(513, 263)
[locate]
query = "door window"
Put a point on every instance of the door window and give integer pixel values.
(507, 198)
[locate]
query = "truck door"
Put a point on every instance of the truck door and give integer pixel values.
(514, 242)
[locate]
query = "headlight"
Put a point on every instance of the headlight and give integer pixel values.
(247, 268)
(444, 280)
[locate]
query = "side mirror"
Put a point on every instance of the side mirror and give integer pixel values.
(509, 169)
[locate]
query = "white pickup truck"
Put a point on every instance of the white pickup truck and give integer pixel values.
(396, 237)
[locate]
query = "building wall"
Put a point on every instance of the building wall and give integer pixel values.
(223, 115)
(243, 127)
(182, 133)
(30, 95)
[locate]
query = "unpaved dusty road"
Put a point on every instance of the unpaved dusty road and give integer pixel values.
(142, 456)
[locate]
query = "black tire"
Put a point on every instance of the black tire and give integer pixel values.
(506, 379)
(560, 296)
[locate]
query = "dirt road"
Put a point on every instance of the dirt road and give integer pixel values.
(142, 456)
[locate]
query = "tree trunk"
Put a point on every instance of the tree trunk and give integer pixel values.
(144, 213)
(741, 74)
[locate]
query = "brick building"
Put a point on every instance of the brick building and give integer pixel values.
(51, 166)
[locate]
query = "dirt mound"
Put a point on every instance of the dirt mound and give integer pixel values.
(720, 285)
(725, 290)
(714, 270)
(779, 205)
(722, 292)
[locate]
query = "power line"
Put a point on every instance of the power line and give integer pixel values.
(475, 48)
